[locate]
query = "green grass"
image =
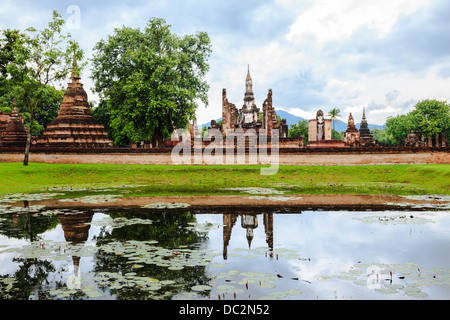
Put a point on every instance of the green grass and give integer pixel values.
(204, 180)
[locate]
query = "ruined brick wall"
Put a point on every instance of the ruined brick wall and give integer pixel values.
(270, 118)
(229, 113)
(304, 156)
(312, 130)
(327, 129)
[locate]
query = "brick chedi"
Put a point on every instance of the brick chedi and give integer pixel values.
(74, 127)
(15, 134)
(364, 132)
(351, 135)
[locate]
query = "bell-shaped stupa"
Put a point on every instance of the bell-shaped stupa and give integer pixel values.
(74, 127)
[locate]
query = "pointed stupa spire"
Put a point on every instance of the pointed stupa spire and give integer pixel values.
(249, 98)
(351, 121)
(249, 237)
(74, 76)
(364, 128)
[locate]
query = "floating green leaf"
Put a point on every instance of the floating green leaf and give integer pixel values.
(201, 288)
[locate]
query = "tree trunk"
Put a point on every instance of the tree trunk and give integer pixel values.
(157, 140)
(27, 149)
(28, 144)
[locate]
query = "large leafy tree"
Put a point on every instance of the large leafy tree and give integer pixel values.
(152, 80)
(429, 117)
(48, 106)
(8, 41)
(41, 58)
(399, 127)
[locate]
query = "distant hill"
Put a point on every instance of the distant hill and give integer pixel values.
(290, 118)
(340, 126)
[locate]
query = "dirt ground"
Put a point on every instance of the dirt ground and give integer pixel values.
(328, 201)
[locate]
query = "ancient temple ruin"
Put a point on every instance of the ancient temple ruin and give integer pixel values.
(352, 134)
(365, 137)
(249, 222)
(4, 119)
(250, 116)
(319, 133)
(14, 133)
(319, 129)
(74, 127)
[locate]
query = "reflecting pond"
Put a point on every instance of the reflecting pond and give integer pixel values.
(156, 253)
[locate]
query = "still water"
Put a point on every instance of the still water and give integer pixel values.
(132, 253)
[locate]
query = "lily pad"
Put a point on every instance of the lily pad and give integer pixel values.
(94, 199)
(201, 288)
(395, 219)
(163, 205)
(386, 290)
(416, 294)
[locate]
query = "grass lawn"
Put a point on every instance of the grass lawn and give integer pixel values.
(158, 180)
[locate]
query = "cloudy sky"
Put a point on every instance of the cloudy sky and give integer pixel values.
(383, 55)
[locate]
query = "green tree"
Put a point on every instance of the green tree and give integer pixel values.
(382, 136)
(10, 38)
(101, 115)
(49, 104)
(334, 113)
(42, 58)
(152, 80)
(299, 130)
(399, 127)
(429, 117)
(337, 135)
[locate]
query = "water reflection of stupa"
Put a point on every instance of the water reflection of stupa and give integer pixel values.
(250, 223)
(76, 231)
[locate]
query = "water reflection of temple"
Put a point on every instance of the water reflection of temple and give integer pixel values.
(250, 223)
(76, 231)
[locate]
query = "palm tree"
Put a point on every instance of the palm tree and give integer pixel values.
(334, 113)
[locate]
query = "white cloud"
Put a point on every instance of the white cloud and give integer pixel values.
(328, 20)
(384, 54)
(306, 114)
